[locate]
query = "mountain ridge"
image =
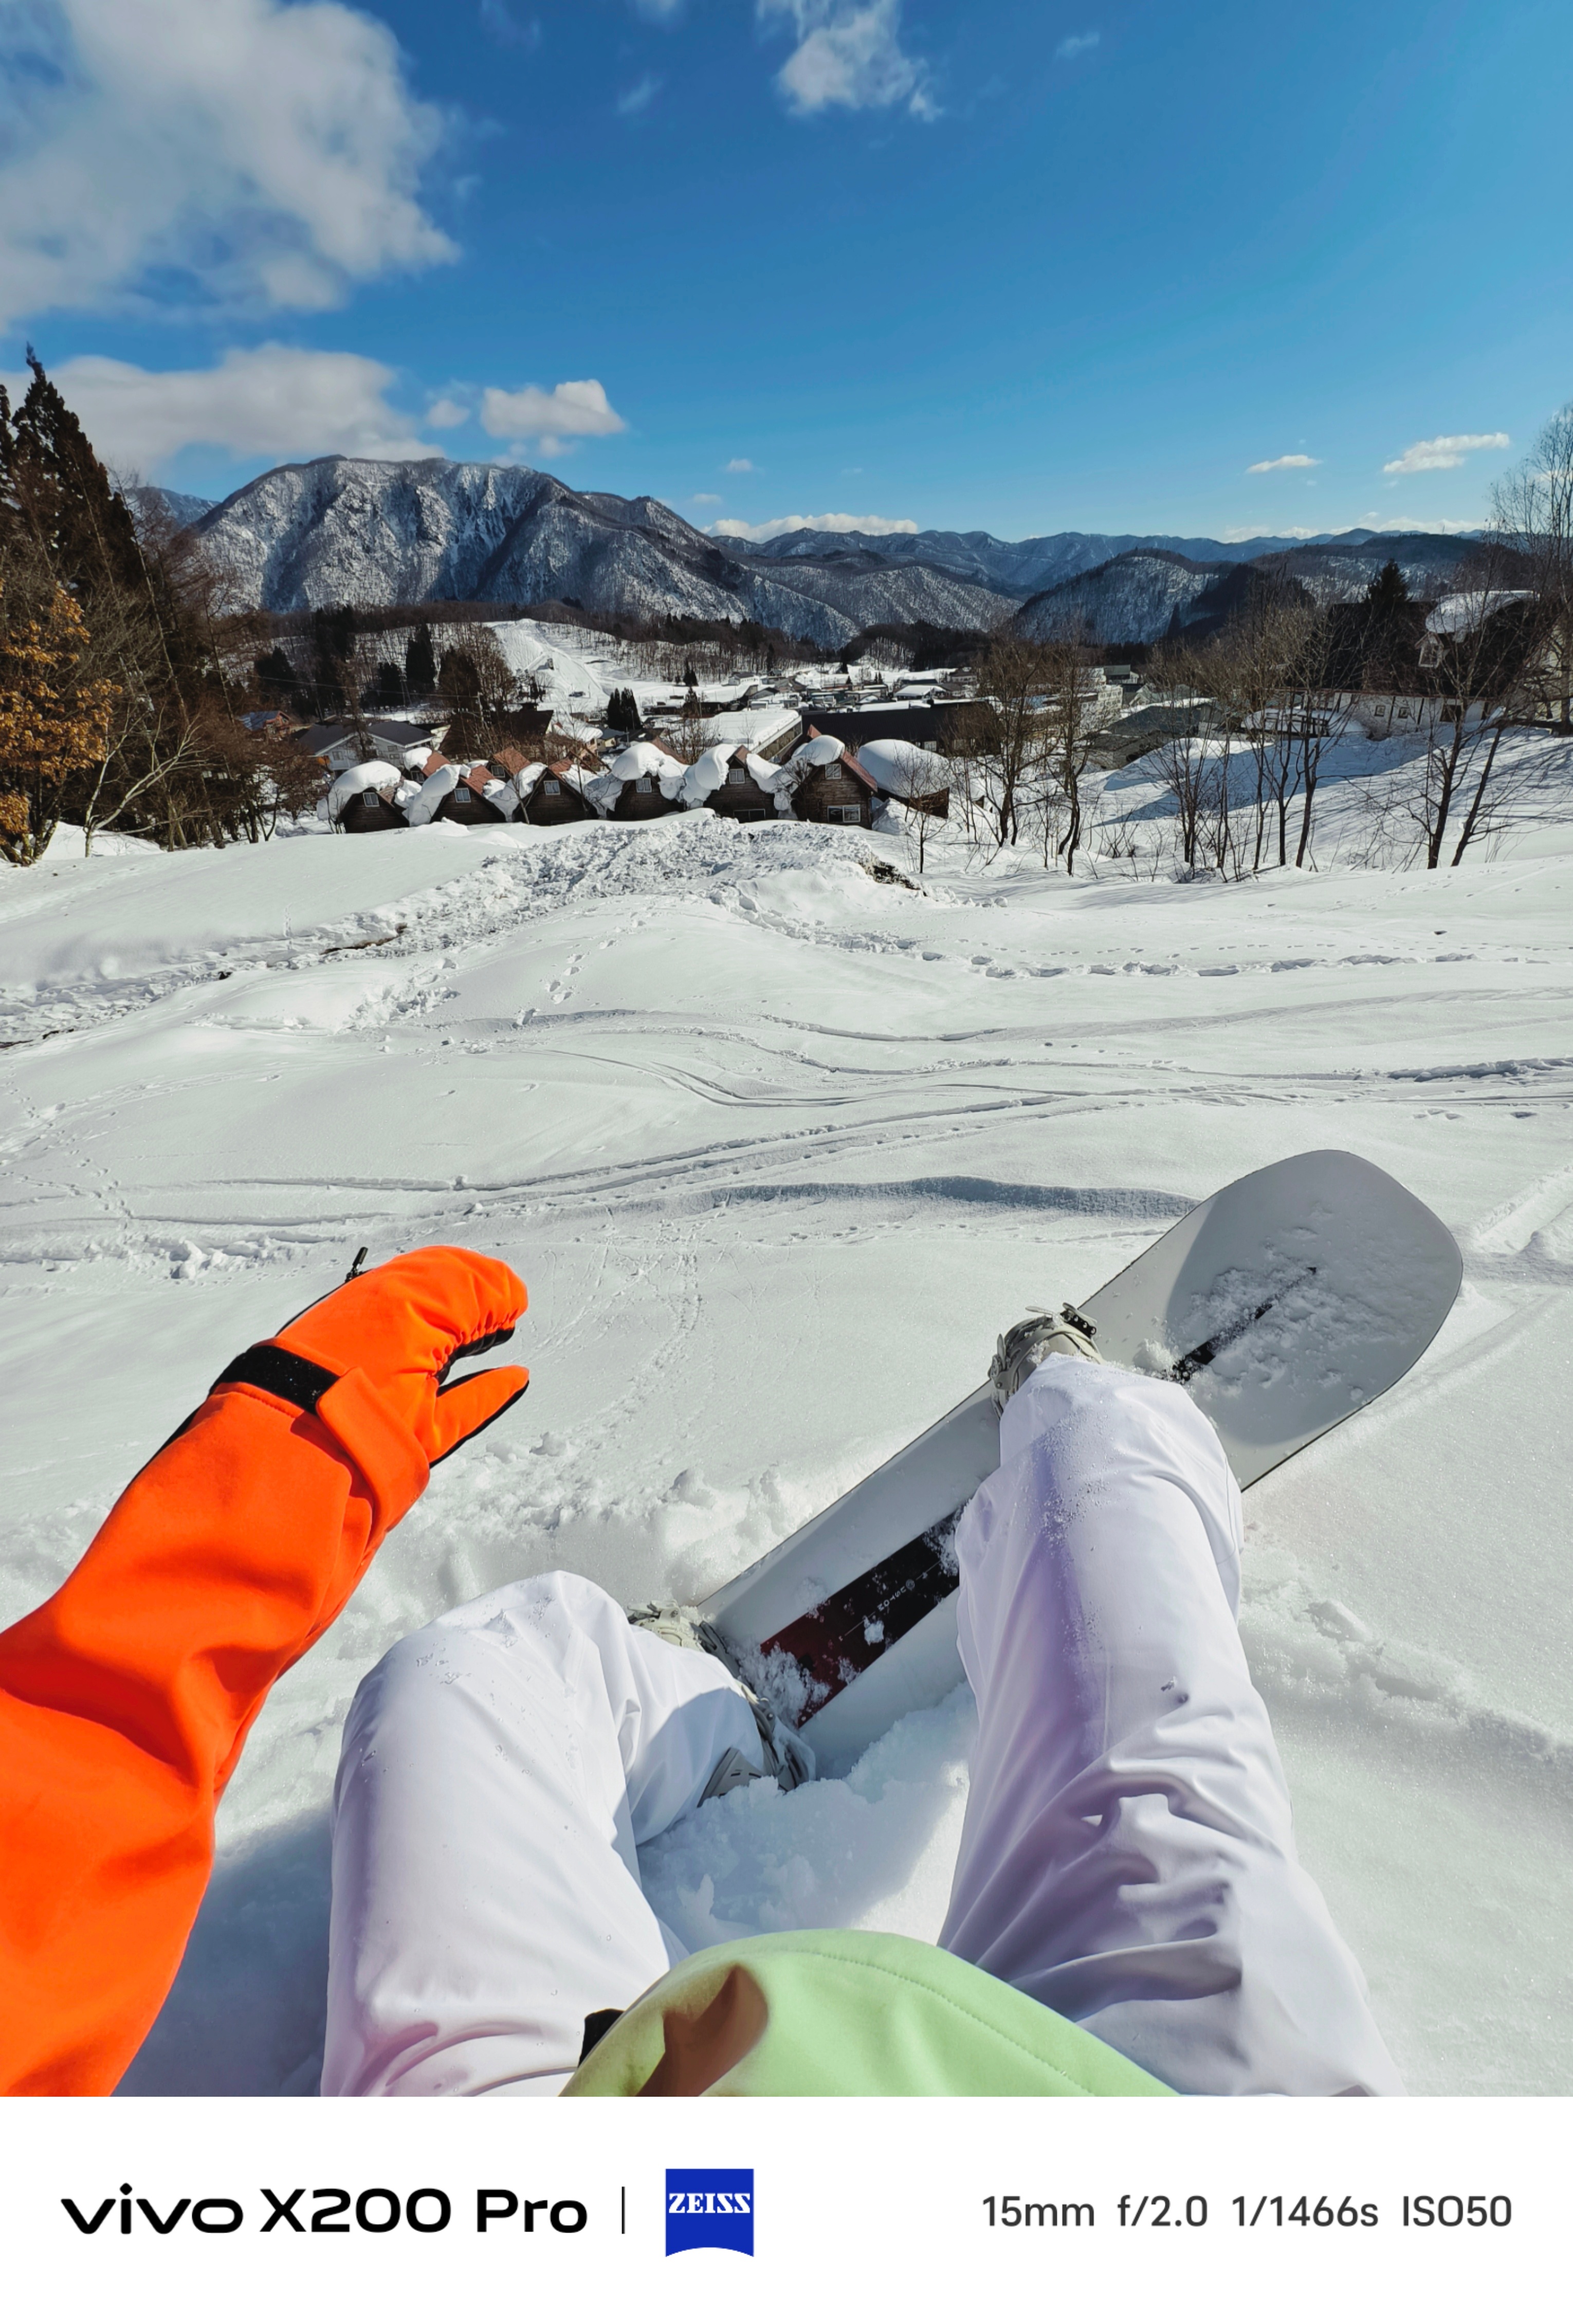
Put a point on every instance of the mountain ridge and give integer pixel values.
(340, 531)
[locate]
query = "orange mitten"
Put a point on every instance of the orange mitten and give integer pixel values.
(125, 1698)
(402, 1326)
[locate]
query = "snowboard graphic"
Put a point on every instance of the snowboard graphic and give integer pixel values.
(1282, 1305)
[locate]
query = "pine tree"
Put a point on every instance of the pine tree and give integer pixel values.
(172, 747)
(420, 666)
(622, 715)
(56, 497)
(1389, 589)
(275, 677)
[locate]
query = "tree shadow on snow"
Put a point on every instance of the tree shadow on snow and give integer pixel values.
(245, 2015)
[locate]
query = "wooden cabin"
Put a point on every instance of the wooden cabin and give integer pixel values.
(642, 797)
(740, 797)
(368, 810)
(467, 802)
(554, 795)
(840, 792)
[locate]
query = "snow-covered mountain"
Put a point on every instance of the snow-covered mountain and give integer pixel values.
(338, 531)
(1134, 596)
(158, 503)
(343, 532)
(1133, 599)
(1019, 568)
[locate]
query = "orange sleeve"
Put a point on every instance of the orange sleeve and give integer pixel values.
(125, 1698)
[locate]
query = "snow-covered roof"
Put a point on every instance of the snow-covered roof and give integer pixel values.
(371, 775)
(821, 751)
(758, 727)
(647, 758)
(1456, 616)
(707, 774)
(902, 770)
(432, 793)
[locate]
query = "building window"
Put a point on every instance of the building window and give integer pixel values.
(551, 787)
(843, 815)
(736, 775)
(646, 783)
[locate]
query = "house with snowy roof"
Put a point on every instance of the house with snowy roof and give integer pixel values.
(829, 784)
(738, 783)
(371, 797)
(642, 782)
(339, 743)
(554, 791)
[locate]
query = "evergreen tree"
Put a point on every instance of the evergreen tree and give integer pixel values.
(1389, 589)
(689, 679)
(275, 677)
(174, 762)
(56, 497)
(420, 666)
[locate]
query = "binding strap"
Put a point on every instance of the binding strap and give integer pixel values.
(281, 1374)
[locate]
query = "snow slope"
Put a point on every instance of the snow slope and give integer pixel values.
(780, 1147)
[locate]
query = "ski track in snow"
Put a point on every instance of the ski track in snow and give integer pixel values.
(779, 1146)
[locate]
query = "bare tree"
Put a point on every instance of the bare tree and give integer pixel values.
(692, 732)
(1070, 695)
(476, 680)
(1186, 753)
(1532, 519)
(1492, 664)
(1002, 739)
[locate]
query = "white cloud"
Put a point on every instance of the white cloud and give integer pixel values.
(445, 413)
(732, 528)
(1277, 532)
(246, 152)
(1379, 521)
(503, 25)
(740, 467)
(637, 99)
(575, 407)
(1289, 460)
(705, 500)
(1441, 452)
(1076, 46)
(849, 52)
(276, 402)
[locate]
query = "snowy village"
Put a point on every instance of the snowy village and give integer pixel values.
(786, 1296)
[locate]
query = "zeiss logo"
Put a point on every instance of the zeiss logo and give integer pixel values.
(710, 2206)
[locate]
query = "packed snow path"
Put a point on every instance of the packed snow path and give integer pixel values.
(779, 1146)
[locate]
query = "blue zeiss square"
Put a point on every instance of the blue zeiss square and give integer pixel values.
(710, 2206)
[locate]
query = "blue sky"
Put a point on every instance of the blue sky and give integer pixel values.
(1023, 264)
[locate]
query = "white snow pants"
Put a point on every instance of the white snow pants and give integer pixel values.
(1127, 1855)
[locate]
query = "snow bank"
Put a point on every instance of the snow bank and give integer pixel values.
(714, 1090)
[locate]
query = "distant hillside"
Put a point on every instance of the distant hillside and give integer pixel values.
(1136, 597)
(1020, 567)
(338, 531)
(159, 500)
(379, 532)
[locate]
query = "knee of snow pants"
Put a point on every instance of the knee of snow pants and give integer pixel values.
(1127, 1854)
(500, 1770)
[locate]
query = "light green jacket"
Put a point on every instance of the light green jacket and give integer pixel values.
(847, 2013)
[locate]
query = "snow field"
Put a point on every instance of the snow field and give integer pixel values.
(780, 1147)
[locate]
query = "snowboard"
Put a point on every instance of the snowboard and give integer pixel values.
(1282, 1305)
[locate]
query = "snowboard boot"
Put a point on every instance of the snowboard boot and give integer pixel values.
(1045, 1332)
(785, 1756)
